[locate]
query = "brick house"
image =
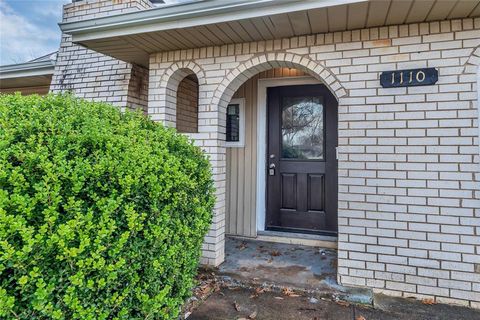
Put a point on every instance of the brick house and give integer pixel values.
(306, 142)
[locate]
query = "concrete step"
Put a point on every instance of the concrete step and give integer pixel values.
(251, 263)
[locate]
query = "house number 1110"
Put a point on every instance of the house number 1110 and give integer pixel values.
(406, 78)
(420, 77)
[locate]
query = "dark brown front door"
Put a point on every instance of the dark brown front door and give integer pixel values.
(301, 159)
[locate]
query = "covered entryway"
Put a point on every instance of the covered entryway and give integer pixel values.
(281, 182)
(281, 174)
(302, 170)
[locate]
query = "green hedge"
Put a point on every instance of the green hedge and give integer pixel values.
(102, 214)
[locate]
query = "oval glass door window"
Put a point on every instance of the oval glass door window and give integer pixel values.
(303, 128)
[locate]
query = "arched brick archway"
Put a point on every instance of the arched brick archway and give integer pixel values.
(168, 86)
(473, 61)
(216, 129)
(236, 77)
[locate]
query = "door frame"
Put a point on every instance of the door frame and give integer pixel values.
(261, 184)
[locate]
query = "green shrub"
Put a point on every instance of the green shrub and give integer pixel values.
(102, 214)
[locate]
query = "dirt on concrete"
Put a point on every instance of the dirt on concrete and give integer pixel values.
(286, 265)
(292, 265)
(250, 304)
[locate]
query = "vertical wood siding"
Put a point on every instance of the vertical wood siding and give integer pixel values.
(242, 162)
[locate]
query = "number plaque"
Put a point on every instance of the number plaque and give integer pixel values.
(407, 78)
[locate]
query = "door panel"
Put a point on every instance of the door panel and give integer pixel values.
(316, 201)
(289, 191)
(302, 169)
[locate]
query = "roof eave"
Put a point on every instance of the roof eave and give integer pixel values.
(188, 15)
(28, 69)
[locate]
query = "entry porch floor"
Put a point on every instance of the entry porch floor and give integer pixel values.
(287, 266)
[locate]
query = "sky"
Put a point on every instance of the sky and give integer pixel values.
(29, 29)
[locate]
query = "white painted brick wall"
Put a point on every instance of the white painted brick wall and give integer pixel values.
(409, 208)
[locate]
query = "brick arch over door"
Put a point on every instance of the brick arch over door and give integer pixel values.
(168, 87)
(473, 61)
(246, 70)
(236, 77)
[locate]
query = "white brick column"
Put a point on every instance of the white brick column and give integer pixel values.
(211, 138)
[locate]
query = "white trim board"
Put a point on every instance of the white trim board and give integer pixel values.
(263, 84)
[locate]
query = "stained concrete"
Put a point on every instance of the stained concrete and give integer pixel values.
(418, 310)
(238, 304)
(242, 303)
(286, 265)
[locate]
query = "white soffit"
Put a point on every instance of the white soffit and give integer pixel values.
(28, 74)
(30, 81)
(133, 36)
